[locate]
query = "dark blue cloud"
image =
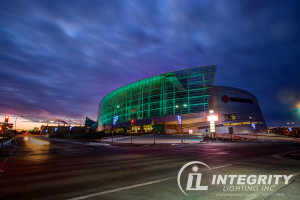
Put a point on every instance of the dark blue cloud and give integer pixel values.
(64, 56)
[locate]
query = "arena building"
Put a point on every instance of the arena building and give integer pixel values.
(179, 102)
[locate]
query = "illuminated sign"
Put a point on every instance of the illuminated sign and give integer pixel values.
(115, 120)
(179, 119)
(226, 99)
(212, 118)
(55, 129)
(71, 127)
(290, 129)
(253, 125)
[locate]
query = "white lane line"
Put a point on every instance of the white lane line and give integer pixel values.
(133, 186)
(295, 174)
(54, 145)
(221, 166)
(123, 188)
(252, 196)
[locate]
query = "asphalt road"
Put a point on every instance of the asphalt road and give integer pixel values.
(69, 169)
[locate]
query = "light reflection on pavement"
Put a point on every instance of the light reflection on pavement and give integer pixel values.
(38, 149)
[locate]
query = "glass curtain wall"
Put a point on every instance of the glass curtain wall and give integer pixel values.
(158, 96)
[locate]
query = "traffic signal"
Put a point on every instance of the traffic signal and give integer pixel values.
(0, 128)
(6, 119)
(132, 121)
(152, 122)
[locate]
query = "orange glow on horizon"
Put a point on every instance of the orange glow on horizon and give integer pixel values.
(24, 123)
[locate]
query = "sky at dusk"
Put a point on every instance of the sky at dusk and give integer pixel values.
(59, 58)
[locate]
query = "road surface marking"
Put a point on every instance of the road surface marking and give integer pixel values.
(133, 186)
(252, 196)
(221, 166)
(123, 188)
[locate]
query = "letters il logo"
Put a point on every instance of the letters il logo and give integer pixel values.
(194, 179)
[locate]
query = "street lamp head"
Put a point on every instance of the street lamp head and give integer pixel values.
(176, 106)
(185, 105)
(250, 117)
(118, 106)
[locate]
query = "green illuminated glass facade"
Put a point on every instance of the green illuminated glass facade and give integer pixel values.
(158, 96)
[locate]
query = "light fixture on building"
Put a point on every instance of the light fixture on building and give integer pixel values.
(211, 118)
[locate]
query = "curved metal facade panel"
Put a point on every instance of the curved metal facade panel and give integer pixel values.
(237, 108)
(158, 96)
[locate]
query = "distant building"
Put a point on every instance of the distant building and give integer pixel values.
(62, 131)
(160, 103)
(288, 131)
(90, 125)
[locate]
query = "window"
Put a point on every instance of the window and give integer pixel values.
(230, 117)
(226, 117)
(233, 116)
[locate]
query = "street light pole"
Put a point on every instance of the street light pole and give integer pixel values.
(290, 125)
(131, 121)
(184, 105)
(16, 124)
(182, 139)
(69, 129)
(112, 122)
(3, 138)
(15, 130)
(112, 126)
(254, 129)
(3, 134)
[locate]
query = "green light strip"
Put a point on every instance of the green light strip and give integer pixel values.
(158, 95)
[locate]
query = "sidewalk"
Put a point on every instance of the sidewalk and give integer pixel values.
(8, 148)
